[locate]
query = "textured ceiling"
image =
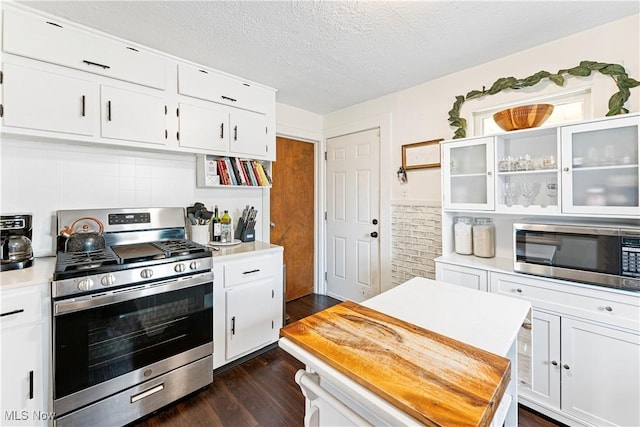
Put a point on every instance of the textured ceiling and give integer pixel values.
(323, 56)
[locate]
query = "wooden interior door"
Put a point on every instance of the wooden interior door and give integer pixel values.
(292, 212)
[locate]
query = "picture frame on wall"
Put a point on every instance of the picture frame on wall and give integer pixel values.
(421, 155)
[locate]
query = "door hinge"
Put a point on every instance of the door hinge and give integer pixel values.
(266, 130)
(273, 293)
(178, 135)
(1, 110)
(165, 110)
(1, 77)
(266, 148)
(177, 112)
(166, 134)
(325, 155)
(325, 275)
(325, 215)
(272, 324)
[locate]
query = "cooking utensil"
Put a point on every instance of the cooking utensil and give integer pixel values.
(85, 240)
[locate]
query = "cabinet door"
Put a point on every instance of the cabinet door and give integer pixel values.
(600, 167)
(468, 177)
(542, 383)
(468, 277)
(42, 38)
(22, 377)
(132, 116)
(600, 374)
(46, 101)
(250, 320)
(204, 128)
(249, 133)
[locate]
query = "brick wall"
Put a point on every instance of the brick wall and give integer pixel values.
(417, 240)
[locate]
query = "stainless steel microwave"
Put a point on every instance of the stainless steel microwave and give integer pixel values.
(598, 254)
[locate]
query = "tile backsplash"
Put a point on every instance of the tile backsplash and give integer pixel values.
(43, 177)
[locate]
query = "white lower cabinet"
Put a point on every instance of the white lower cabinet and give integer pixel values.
(600, 374)
(544, 383)
(23, 361)
(585, 368)
(468, 277)
(248, 305)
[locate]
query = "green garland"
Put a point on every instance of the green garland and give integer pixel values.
(616, 102)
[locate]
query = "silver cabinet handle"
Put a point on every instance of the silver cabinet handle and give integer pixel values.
(147, 393)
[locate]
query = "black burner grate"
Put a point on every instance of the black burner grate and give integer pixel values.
(69, 261)
(179, 247)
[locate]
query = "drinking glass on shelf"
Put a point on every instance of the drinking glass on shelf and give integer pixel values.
(530, 190)
(552, 190)
(511, 193)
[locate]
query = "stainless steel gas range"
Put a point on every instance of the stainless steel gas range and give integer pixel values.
(133, 321)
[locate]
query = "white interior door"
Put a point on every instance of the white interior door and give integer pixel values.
(353, 212)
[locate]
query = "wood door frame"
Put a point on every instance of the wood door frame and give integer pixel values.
(382, 122)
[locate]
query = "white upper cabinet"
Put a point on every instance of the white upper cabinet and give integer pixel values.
(600, 167)
(249, 135)
(132, 116)
(46, 101)
(64, 81)
(468, 174)
(589, 168)
(204, 127)
(47, 40)
(210, 86)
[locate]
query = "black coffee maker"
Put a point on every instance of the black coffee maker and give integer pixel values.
(15, 234)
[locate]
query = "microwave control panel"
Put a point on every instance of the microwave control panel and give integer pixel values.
(631, 256)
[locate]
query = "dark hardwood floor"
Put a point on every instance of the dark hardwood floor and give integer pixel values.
(262, 390)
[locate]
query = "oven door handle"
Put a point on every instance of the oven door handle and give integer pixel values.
(86, 302)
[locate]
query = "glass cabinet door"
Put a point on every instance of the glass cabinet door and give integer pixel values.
(468, 174)
(600, 167)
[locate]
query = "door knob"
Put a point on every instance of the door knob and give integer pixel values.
(374, 234)
(272, 224)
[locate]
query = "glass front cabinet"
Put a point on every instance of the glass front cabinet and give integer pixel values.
(468, 174)
(586, 169)
(600, 167)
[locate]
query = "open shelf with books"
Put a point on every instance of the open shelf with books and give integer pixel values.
(221, 171)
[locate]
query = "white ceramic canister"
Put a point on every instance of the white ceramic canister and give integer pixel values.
(484, 238)
(462, 233)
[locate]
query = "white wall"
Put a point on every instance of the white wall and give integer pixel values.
(420, 113)
(43, 177)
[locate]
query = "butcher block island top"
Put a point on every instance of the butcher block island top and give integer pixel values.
(422, 353)
(435, 379)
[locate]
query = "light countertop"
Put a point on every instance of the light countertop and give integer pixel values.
(42, 269)
(482, 319)
(40, 272)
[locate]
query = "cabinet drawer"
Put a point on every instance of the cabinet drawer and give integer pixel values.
(20, 307)
(46, 40)
(225, 90)
(591, 304)
(247, 270)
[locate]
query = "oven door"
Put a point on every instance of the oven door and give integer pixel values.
(584, 254)
(105, 343)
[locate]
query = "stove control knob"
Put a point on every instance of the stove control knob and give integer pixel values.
(108, 280)
(85, 284)
(179, 268)
(146, 273)
(194, 265)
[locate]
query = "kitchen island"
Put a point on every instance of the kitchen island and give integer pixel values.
(466, 340)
